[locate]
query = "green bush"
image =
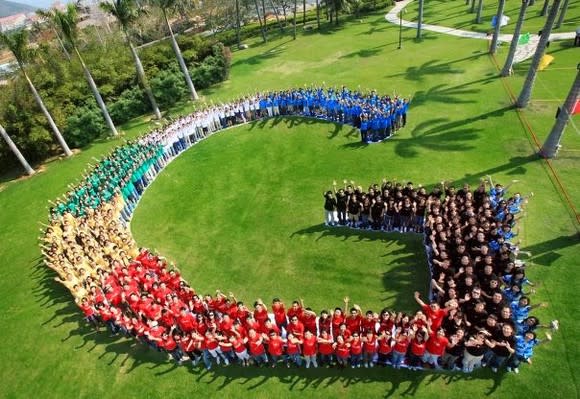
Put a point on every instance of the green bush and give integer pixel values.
(130, 104)
(85, 125)
(169, 86)
(214, 68)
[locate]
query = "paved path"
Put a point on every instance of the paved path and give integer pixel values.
(522, 53)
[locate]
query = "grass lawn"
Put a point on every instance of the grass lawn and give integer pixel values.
(265, 238)
(455, 14)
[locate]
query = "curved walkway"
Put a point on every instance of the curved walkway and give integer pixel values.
(522, 53)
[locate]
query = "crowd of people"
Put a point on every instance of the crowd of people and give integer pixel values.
(477, 313)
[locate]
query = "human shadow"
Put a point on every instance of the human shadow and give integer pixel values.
(545, 253)
(335, 129)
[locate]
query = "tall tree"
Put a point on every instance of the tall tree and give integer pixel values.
(277, 15)
(238, 25)
(479, 11)
(526, 92)
(420, 19)
(507, 67)
(498, 17)
(318, 14)
(50, 19)
(127, 12)
(303, 12)
(294, 19)
(545, 8)
(552, 144)
(17, 43)
(16, 151)
(262, 27)
(562, 14)
(68, 24)
(166, 6)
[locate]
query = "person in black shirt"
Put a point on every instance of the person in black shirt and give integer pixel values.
(503, 346)
(454, 350)
(329, 209)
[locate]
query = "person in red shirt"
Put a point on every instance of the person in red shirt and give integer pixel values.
(385, 349)
(239, 346)
(342, 350)
(354, 320)
(188, 346)
(369, 322)
(295, 310)
(257, 350)
(402, 341)
(436, 345)
(295, 327)
(225, 348)
(417, 350)
(309, 320)
(275, 347)
(369, 348)
(279, 313)
(170, 343)
(309, 344)
(325, 348)
(154, 334)
(89, 312)
(432, 311)
(293, 350)
(167, 318)
(186, 321)
(268, 327)
(260, 312)
(324, 322)
(337, 320)
(355, 350)
(343, 332)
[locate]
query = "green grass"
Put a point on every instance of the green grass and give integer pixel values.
(460, 128)
(455, 14)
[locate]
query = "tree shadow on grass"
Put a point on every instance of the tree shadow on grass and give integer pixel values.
(267, 54)
(335, 129)
(434, 67)
(441, 134)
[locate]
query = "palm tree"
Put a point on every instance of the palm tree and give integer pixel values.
(294, 19)
(303, 12)
(545, 8)
(67, 22)
(498, 16)
(550, 147)
(420, 19)
(238, 25)
(479, 12)
(526, 92)
(17, 43)
(277, 15)
(507, 67)
(562, 14)
(262, 28)
(318, 14)
(126, 12)
(16, 151)
(165, 6)
(49, 17)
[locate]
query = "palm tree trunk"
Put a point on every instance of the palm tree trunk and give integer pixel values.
(495, 38)
(16, 151)
(180, 59)
(143, 79)
(64, 50)
(420, 19)
(264, 38)
(479, 11)
(526, 92)
(238, 27)
(44, 110)
(552, 143)
(562, 14)
(472, 8)
(318, 14)
(264, 16)
(303, 12)
(294, 22)
(545, 8)
(96, 93)
(275, 9)
(507, 68)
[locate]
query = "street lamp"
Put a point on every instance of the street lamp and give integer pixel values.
(401, 28)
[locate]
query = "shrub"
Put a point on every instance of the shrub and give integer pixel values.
(130, 104)
(85, 125)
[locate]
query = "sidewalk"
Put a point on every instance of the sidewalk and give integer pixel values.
(522, 53)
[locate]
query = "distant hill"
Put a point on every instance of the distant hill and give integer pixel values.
(11, 7)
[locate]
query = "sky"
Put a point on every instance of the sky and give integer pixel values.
(38, 3)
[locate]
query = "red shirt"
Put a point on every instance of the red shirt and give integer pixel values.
(295, 312)
(436, 344)
(336, 322)
(356, 347)
(187, 322)
(324, 325)
(368, 324)
(188, 344)
(309, 323)
(261, 316)
(292, 348)
(342, 350)
(275, 346)
(353, 323)
(325, 348)
(87, 309)
(436, 317)
(401, 345)
(385, 346)
(296, 328)
(279, 313)
(169, 343)
(418, 347)
(239, 345)
(309, 345)
(211, 343)
(256, 346)
(370, 345)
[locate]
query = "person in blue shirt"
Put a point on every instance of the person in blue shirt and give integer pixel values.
(521, 309)
(524, 350)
